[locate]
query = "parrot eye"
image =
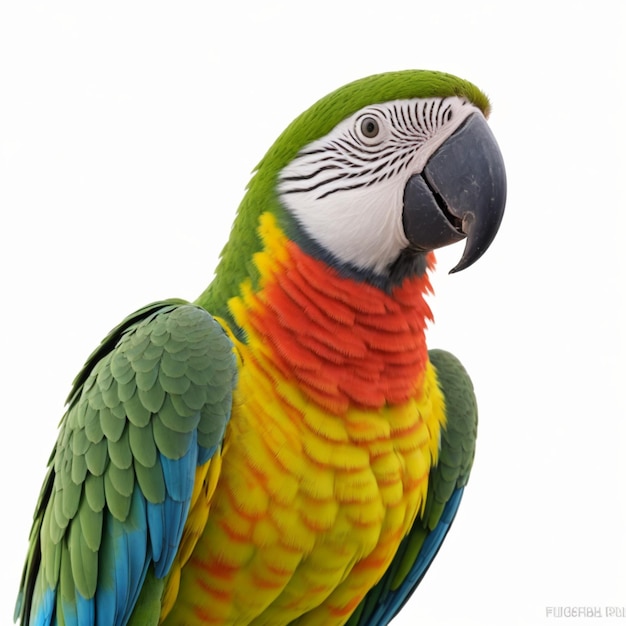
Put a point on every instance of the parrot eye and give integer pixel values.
(368, 129)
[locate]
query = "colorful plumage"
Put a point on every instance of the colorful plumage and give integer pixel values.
(285, 448)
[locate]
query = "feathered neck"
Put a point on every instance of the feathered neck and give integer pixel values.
(345, 342)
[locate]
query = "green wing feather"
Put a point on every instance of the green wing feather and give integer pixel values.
(150, 404)
(459, 437)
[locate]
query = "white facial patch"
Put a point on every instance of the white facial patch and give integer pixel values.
(346, 189)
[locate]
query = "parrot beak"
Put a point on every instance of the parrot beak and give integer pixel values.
(460, 193)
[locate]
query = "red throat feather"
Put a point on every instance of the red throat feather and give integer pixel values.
(346, 342)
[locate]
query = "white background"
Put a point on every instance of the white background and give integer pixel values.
(127, 134)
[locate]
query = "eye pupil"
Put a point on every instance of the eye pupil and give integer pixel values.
(369, 127)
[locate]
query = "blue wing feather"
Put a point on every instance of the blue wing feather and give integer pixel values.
(157, 525)
(85, 610)
(124, 562)
(70, 614)
(179, 483)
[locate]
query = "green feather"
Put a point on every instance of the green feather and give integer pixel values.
(120, 452)
(126, 390)
(170, 443)
(176, 422)
(174, 385)
(459, 436)
(134, 350)
(145, 380)
(80, 442)
(112, 426)
(118, 503)
(66, 578)
(94, 493)
(412, 547)
(84, 562)
(110, 395)
(70, 496)
(97, 458)
(171, 366)
(152, 398)
(181, 407)
(195, 397)
(151, 482)
(148, 608)
(79, 469)
(121, 368)
(93, 428)
(142, 444)
(122, 479)
(136, 412)
(96, 401)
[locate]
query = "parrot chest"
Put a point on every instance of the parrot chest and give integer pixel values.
(309, 507)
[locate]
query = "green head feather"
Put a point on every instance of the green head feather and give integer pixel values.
(314, 123)
(326, 113)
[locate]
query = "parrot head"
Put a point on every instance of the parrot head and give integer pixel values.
(400, 176)
(376, 175)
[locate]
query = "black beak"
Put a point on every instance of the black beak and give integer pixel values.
(460, 193)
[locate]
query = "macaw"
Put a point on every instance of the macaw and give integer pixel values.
(284, 449)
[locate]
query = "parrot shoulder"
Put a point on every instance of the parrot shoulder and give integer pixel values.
(147, 410)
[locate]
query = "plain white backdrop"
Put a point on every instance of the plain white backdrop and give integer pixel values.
(128, 131)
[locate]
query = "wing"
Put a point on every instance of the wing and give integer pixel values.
(149, 407)
(446, 483)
